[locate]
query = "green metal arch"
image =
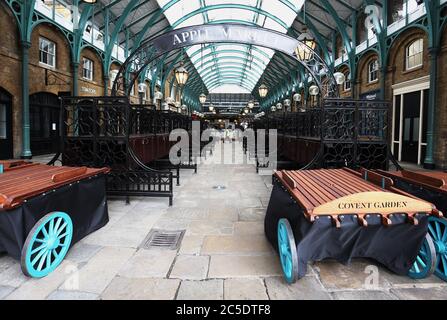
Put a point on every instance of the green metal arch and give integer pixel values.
(229, 6)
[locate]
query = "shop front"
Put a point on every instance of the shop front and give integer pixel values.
(409, 134)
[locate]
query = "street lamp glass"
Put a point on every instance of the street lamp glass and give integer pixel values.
(251, 104)
(263, 91)
(314, 90)
(304, 51)
(181, 75)
(202, 98)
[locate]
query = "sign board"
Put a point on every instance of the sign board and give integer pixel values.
(88, 90)
(373, 202)
(223, 33)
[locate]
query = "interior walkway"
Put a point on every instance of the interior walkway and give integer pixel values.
(223, 255)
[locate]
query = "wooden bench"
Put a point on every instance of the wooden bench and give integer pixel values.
(32, 179)
(433, 180)
(337, 192)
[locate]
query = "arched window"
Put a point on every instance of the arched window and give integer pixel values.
(347, 83)
(373, 70)
(414, 54)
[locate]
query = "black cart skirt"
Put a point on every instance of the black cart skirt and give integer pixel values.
(85, 202)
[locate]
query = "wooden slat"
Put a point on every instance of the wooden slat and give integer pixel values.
(28, 181)
(70, 174)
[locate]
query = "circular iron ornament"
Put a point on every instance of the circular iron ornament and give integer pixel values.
(425, 262)
(46, 244)
(156, 47)
(437, 228)
(287, 251)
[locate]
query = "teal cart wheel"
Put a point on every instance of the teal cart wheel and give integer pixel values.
(287, 251)
(425, 262)
(437, 228)
(47, 244)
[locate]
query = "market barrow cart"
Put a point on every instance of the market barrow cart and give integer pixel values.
(44, 210)
(337, 213)
(430, 186)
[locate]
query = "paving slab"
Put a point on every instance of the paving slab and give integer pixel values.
(363, 295)
(128, 235)
(252, 214)
(12, 276)
(38, 289)
(148, 264)
(5, 290)
(211, 227)
(248, 244)
(236, 266)
(187, 213)
(141, 289)
(191, 245)
(245, 289)
(421, 293)
(6, 262)
(82, 252)
(201, 290)
(102, 268)
(252, 228)
(72, 295)
(223, 213)
(190, 267)
(360, 274)
(306, 288)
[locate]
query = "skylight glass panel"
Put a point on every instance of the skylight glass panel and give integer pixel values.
(229, 88)
(272, 25)
(230, 14)
(181, 9)
(235, 63)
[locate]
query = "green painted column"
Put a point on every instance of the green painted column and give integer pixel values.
(106, 85)
(429, 162)
(75, 69)
(26, 143)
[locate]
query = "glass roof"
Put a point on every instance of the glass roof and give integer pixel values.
(224, 66)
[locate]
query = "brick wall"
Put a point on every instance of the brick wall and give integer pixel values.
(10, 67)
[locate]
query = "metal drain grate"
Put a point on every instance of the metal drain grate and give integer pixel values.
(219, 187)
(163, 239)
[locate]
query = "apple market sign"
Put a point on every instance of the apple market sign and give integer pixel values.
(224, 33)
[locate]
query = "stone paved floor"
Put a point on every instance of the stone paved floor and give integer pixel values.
(223, 255)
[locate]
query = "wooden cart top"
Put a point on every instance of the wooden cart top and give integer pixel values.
(435, 180)
(25, 181)
(335, 192)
